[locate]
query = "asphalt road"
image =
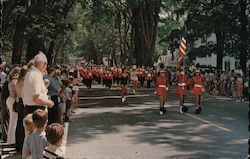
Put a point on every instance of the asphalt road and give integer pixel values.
(105, 128)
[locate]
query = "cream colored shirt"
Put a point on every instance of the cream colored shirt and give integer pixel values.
(53, 151)
(34, 85)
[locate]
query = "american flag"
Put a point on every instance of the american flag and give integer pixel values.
(182, 51)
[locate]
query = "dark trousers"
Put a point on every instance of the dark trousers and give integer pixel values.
(88, 83)
(4, 120)
(31, 108)
(109, 83)
(53, 113)
(20, 128)
(148, 83)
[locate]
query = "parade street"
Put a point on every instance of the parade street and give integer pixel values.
(105, 128)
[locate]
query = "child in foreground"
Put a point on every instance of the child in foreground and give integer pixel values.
(54, 134)
(36, 142)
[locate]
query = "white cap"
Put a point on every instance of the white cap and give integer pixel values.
(134, 66)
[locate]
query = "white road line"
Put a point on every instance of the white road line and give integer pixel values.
(207, 122)
(113, 97)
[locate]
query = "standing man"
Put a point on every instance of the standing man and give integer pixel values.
(35, 92)
(54, 90)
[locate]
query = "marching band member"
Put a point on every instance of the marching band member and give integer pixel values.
(141, 76)
(134, 78)
(88, 78)
(197, 90)
(109, 79)
(181, 89)
(124, 82)
(161, 90)
(149, 78)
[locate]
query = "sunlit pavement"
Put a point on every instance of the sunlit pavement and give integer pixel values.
(105, 128)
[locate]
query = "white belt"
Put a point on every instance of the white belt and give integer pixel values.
(162, 86)
(197, 85)
(182, 84)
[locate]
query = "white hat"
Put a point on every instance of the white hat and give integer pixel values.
(134, 66)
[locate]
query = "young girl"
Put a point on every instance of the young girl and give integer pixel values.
(68, 92)
(161, 90)
(239, 88)
(62, 105)
(124, 82)
(134, 78)
(28, 124)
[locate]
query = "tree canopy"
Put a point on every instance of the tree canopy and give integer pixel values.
(125, 31)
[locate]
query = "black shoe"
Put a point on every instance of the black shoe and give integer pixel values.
(185, 109)
(163, 110)
(198, 110)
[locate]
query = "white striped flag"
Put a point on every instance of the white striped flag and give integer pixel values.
(182, 51)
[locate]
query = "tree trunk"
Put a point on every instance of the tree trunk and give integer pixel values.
(136, 35)
(58, 52)
(147, 15)
(219, 46)
(34, 45)
(50, 54)
(18, 40)
(243, 34)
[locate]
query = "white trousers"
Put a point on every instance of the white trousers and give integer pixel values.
(11, 139)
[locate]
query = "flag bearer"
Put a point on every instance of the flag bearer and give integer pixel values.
(181, 89)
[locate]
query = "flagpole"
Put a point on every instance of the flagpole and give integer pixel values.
(185, 32)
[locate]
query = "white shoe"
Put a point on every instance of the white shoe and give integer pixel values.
(123, 99)
(133, 91)
(161, 112)
(180, 110)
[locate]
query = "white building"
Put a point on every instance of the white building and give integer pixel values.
(167, 59)
(228, 62)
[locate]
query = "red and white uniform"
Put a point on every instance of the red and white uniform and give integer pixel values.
(198, 85)
(161, 85)
(183, 82)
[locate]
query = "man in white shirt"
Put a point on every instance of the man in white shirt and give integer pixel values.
(35, 91)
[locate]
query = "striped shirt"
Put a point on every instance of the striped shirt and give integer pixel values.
(53, 152)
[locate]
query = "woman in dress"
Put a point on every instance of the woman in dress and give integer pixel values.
(13, 76)
(239, 88)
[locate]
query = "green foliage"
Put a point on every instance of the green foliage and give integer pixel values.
(93, 28)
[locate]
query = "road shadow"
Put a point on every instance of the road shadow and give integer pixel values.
(191, 138)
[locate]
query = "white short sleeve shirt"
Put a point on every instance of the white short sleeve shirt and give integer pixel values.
(34, 85)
